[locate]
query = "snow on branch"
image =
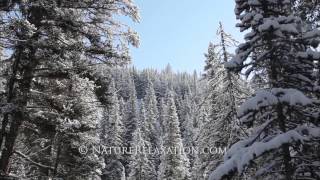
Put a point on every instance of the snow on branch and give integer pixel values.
(312, 34)
(239, 156)
(264, 98)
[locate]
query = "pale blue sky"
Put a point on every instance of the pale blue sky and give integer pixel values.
(179, 31)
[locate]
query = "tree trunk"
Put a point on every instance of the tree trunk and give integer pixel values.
(285, 148)
(9, 143)
(18, 116)
(10, 94)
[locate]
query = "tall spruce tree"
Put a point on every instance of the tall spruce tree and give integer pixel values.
(142, 165)
(151, 103)
(112, 136)
(162, 116)
(188, 116)
(283, 120)
(141, 168)
(53, 43)
(152, 116)
(174, 165)
(225, 92)
(130, 120)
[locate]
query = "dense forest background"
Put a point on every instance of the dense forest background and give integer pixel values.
(68, 93)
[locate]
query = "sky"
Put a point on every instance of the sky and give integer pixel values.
(178, 32)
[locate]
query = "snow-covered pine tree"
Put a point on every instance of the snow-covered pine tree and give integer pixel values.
(207, 136)
(142, 122)
(48, 40)
(111, 136)
(188, 117)
(283, 124)
(202, 120)
(141, 168)
(225, 91)
(75, 126)
(309, 12)
(174, 165)
(142, 164)
(151, 103)
(138, 82)
(162, 116)
(122, 108)
(131, 113)
(58, 124)
(130, 120)
(152, 116)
